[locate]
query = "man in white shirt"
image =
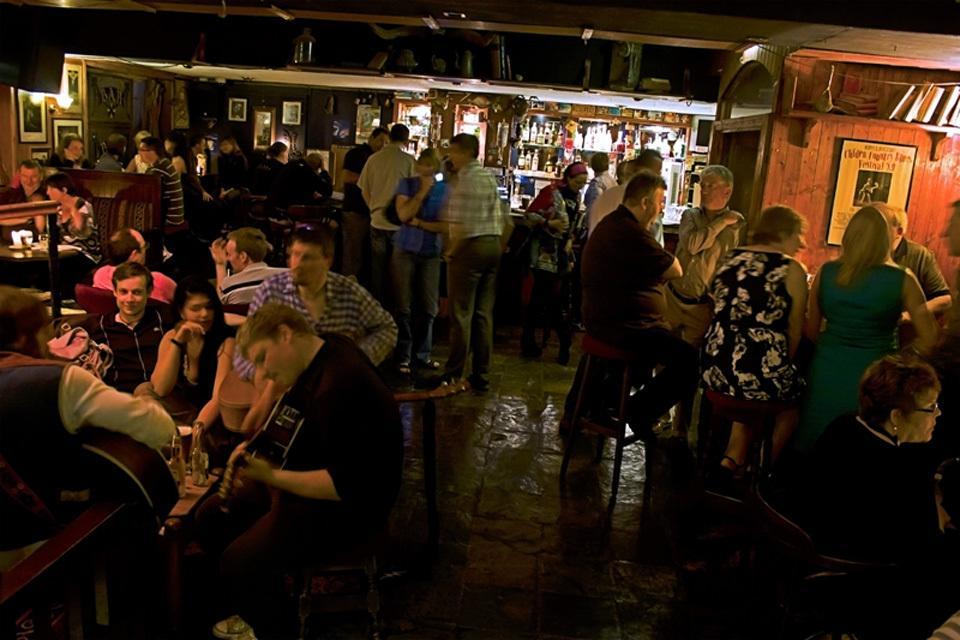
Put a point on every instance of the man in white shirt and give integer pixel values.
(378, 184)
(244, 249)
(41, 402)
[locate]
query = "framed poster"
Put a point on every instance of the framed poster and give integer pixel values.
(32, 117)
(62, 127)
(40, 154)
(111, 98)
(237, 109)
(368, 119)
(869, 172)
(341, 131)
(72, 85)
(264, 127)
(291, 113)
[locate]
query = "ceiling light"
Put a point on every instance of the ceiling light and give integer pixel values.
(586, 34)
(64, 101)
(458, 15)
(431, 23)
(280, 13)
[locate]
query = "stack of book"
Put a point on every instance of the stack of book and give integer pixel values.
(856, 104)
(927, 103)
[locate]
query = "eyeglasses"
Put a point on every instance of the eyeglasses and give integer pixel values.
(931, 409)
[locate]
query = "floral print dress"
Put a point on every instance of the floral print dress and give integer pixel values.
(746, 352)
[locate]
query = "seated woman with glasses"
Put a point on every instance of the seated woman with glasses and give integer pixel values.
(863, 499)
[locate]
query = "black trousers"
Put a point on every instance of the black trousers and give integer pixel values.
(546, 302)
(263, 536)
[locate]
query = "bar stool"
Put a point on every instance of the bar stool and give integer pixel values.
(756, 415)
(635, 370)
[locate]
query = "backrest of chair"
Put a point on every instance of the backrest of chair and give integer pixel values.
(94, 300)
(783, 532)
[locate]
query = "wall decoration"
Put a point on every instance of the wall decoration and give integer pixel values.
(72, 85)
(40, 154)
(62, 127)
(368, 119)
(869, 172)
(237, 109)
(110, 98)
(264, 127)
(341, 130)
(291, 112)
(181, 113)
(32, 118)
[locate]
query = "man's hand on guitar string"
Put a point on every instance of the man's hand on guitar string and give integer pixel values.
(256, 469)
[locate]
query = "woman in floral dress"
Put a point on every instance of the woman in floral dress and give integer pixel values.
(760, 295)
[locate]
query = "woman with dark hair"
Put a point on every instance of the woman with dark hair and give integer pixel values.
(267, 171)
(75, 219)
(175, 146)
(69, 154)
(551, 216)
(233, 169)
(194, 357)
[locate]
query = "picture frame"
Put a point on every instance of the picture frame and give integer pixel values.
(368, 119)
(31, 118)
(110, 98)
(40, 154)
(72, 85)
(264, 127)
(63, 126)
(237, 109)
(292, 112)
(867, 172)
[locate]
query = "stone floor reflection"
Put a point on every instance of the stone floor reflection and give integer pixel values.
(518, 557)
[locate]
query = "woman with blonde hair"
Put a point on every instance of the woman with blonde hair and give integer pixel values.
(854, 309)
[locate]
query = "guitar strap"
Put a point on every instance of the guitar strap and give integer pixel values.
(20, 492)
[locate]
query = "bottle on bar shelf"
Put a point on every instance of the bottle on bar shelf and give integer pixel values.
(540, 134)
(521, 160)
(535, 165)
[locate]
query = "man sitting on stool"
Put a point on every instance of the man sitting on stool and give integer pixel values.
(339, 481)
(623, 272)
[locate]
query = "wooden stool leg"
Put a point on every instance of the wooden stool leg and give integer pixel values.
(617, 462)
(305, 601)
(373, 595)
(575, 420)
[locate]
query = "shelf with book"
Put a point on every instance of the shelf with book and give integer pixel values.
(812, 119)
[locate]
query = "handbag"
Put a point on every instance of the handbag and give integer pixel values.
(75, 345)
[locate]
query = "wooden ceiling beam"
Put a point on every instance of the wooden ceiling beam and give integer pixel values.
(869, 58)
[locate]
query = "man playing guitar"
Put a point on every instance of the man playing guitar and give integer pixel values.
(322, 473)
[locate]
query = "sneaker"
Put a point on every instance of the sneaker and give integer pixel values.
(233, 628)
(433, 365)
(478, 382)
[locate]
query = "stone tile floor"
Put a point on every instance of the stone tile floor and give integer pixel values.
(519, 557)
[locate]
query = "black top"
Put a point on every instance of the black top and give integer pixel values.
(232, 169)
(61, 163)
(264, 176)
(864, 497)
(622, 280)
(297, 183)
(354, 161)
(352, 429)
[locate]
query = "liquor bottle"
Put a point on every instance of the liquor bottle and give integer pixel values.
(578, 140)
(199, 459)
(548, 168)
(535, 165)
(525, 131)
(521, 161)
(558, 138)
(540, 134)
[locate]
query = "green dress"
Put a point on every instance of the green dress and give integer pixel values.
(861, 327)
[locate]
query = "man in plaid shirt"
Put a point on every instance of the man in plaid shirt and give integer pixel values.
(477, 224)
(332, 303)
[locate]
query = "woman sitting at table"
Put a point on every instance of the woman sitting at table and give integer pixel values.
(195, 356)
(760, 297)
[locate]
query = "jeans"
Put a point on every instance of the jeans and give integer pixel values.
(472, 285)
(381, 246)
(356, 239)
(416, 292)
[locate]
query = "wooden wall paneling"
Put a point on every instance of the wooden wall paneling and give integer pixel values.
(808, 166)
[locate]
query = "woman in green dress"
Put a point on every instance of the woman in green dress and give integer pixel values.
(855, 306)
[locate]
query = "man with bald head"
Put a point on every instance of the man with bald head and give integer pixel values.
(128, 245)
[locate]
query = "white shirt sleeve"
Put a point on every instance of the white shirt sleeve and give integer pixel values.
(86, 401)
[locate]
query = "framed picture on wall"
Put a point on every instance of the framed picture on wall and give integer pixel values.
(62, 127)
(72, 85)
(368, 119)
(291, 112)
(869, 172)
(40, 154)
(237, 109)
(264, 127)
(32, 116)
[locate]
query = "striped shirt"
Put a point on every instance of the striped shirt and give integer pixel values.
(950, 629)
(351, 311)
(239, 288)
(171, 194)
(474, 207)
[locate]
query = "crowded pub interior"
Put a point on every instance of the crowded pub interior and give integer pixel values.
(431, 320)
